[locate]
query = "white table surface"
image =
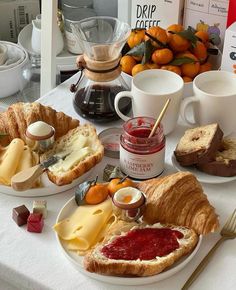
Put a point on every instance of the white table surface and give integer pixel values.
(33, 261)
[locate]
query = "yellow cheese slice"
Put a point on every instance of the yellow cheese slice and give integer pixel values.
(26, 160)
(84, 224)
(10, 160)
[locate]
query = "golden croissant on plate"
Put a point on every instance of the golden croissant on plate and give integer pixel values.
(15, 120)
(179, 199)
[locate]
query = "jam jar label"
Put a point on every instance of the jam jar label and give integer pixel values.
(142, 166)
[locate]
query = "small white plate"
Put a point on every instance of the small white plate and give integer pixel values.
(77, 261)
(202, 176)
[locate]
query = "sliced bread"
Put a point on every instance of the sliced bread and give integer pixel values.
(198, 145)
(100, 261)
(83, 151)
(224, 163)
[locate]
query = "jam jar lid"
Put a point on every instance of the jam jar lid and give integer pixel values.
(110, 139)
(128, 198)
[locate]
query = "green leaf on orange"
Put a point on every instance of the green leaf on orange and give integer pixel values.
(161, 44)
(181, 60)
(138, 50)
(189, 35)
(3, 134)
(148, 49)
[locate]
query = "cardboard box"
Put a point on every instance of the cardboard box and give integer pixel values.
(229, 51)
(207, 15)
(15, 15)
(147, 13)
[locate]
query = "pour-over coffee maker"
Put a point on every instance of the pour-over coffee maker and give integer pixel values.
(102, 39)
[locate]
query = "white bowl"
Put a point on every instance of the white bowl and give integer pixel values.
(215, 60)
(12, 80)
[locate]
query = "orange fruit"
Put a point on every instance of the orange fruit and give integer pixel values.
(158, 33)
(162, 56)
(178, 43)
(190, 69)
(96, 194)
(136, 37)
(173, 68)
(200, 51)
(138, 68)
(127, 63)
(187, 79)
(174, 28)
(205, 67)
(203, 35)
(114, 185)
(151, 65)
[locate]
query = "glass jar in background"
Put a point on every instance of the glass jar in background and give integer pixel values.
(31, 74)
(74, 11)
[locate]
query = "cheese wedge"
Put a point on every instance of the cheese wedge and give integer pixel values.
(82, 228)
(10, 160)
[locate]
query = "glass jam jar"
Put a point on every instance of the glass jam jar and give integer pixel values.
(142, 157)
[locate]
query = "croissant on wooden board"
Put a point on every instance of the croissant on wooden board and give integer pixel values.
(15, 120)
(179, 199)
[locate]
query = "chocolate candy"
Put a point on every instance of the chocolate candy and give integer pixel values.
(40, 206)
(20, 215)
(35, 223)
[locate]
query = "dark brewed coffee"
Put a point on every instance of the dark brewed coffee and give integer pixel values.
(96, 103)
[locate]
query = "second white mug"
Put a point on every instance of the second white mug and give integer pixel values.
(150, 90)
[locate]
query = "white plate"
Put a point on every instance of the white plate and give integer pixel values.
(48, 188)
(65, 60)
(77, 261)
(202, 176)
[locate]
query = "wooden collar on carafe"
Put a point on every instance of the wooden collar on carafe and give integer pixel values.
(99, 70)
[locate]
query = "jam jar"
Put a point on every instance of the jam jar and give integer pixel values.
(142, 157)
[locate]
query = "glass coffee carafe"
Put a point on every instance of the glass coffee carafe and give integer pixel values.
(101, 39)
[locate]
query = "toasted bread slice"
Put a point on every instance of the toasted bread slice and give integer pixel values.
(199, 145)
(98, 262)
(84, 150)
(224, 163)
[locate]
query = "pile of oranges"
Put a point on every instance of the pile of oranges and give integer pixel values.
(184, 52)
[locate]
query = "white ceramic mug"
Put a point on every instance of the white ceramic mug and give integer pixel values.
(150, 90)
(214, 101)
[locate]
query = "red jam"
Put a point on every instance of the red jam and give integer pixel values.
(142, 157)
(143, 244)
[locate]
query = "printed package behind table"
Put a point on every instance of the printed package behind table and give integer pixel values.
(15, 15)
(229, 51)
(232, 12)
(147, 13)
(207, 15)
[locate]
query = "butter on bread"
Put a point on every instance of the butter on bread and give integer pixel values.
(15, 120)
(84, 150)
(224, 163)
(178, 199)
(96, 261)
(198, 145)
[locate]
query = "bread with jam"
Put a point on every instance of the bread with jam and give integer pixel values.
(133, 253)
(198, 145)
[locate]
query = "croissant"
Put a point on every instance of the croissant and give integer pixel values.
(15, 120)
(179, 199)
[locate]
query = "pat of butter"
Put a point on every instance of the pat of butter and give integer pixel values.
(39, 129)
(75, 157)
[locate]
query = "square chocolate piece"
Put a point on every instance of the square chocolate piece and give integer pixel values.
(40, 206)
(20, 215)
(35, 223)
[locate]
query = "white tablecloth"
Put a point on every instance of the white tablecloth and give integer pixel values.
(33, 261)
